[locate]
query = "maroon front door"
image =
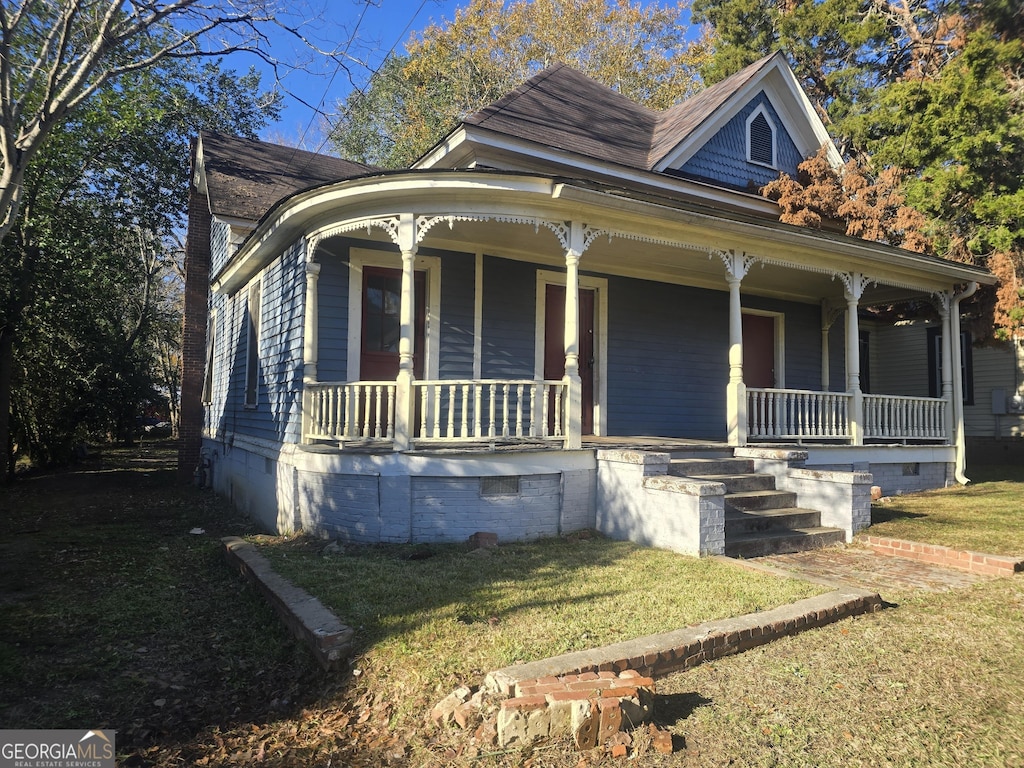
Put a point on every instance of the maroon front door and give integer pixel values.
(554, 344)
(759, 351)
(382, 300)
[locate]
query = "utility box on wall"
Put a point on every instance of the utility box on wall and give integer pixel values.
(998, 402)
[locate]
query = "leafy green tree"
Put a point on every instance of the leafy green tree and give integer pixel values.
(89, 272)
(490, 48)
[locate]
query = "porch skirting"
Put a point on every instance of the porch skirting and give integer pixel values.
(522, 493)
(405, 497)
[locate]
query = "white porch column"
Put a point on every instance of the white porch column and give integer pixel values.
(573, 383)
(958, 382)
(311, 337)
(310, 344)
(736, 266)
(944, 303)
(855, 283)
(404, 405)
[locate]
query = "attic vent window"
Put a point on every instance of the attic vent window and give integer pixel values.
(761, 139)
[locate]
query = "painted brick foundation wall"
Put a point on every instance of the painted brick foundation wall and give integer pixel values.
(284, 488)
(894, 478)
(638, 501)
(341, 506)
(452, 509)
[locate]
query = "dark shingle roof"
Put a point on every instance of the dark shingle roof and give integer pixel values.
(245, 177)
(563, 108)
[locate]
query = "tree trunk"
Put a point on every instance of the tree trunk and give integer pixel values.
(6, 378)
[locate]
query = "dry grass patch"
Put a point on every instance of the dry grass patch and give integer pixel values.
(985, 516)
(935, 681)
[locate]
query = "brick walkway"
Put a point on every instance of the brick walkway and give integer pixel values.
(862, 568)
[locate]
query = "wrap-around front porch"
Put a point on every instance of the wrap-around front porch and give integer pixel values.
(558, 406)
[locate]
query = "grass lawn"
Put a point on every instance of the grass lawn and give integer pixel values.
(985, 516)
(115, 616)
(433, 618)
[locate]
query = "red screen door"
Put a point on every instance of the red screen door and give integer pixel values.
(759, 351)
(382, 299)
(554, 344)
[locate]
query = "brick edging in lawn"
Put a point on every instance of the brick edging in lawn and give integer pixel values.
(308, 619)
(976, 562)
(662, 654)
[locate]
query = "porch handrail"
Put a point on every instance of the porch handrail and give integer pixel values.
(351, 410)
(797, 414)
(899, 417)
(490, 409)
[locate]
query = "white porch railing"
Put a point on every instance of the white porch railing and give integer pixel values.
(796, 414)
(791, 414)
(489, 409)
(347, 411)
(445, 410)
(904, 418)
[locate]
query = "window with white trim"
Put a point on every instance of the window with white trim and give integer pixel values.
(211, 339)
(252, 356)
(761, 134)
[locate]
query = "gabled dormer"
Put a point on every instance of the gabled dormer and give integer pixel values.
(742, 132)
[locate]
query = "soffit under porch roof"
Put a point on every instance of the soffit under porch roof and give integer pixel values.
(518, 215)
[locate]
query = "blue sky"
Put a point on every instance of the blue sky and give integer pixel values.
(374, 28)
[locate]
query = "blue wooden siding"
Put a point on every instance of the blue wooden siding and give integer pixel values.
(276, 416)
(723, 158)
(509, 319)
(458, 291)
(332, 300)
(220, 245)
(667, 359)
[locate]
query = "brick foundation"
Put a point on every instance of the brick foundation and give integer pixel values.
(976, 562)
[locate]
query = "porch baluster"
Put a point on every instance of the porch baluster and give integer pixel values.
(477, 400)
(490, 409)
(465, 411)
(436, 416)
(378, 401)
(424, 399)
(451, 411)
(519, 410)
(504, 411)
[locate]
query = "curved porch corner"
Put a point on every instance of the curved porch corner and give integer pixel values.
(372, 496)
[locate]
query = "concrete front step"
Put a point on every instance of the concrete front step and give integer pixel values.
(722, 465)
(752, 500)
(783, 541)
(743, 483)
(743, 523)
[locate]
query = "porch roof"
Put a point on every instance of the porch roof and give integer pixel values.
(647, 232)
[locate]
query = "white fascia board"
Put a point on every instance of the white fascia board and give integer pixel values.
(374, 197)
(789, 101)
(586, 166)
(452, 148)
(787, 245)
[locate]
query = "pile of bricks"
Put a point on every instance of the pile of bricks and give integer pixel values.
(592, 707)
